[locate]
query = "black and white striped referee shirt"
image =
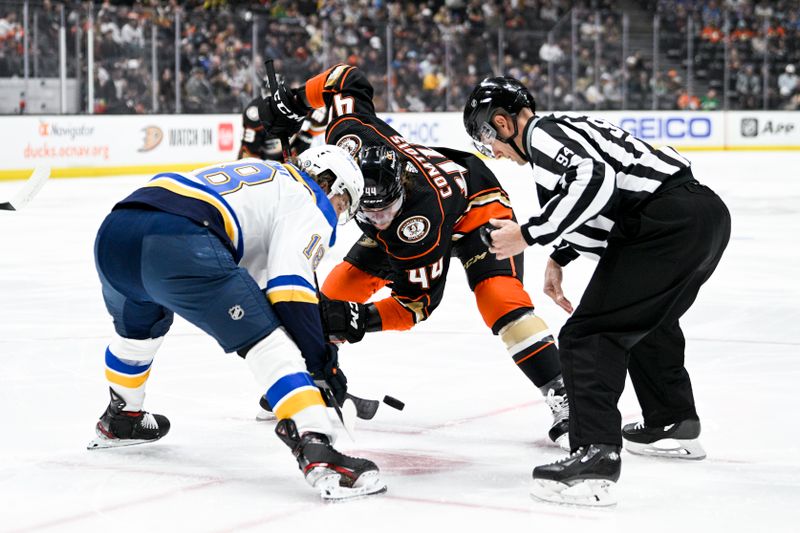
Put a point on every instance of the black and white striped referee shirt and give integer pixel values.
(588, 173)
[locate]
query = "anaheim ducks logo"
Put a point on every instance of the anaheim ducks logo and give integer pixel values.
(152, 138)
(413, 229)
(350, 144)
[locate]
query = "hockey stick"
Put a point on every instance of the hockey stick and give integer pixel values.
(366, 409)
(327, 393)
(272, 80)
(330, 399)
(30, 189)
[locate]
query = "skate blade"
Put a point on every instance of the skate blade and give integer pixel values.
(590, 492)
(104, 442)
(368, 484)
(265, 416)
(689, 449)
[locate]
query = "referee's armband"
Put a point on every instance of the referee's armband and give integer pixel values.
(563, 254)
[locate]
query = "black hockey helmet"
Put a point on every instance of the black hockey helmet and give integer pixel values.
(383, 197)
(383, 171)
(487, 98)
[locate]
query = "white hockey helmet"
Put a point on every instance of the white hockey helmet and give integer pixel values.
(333, 165)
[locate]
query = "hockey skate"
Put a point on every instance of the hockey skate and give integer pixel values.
(265, 410)
(676, 441)
(556, 400)
(585, 477)
(125, 428)
(338, 477)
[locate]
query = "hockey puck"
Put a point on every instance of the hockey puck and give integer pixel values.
(393, 402)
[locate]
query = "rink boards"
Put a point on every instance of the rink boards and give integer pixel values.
(102, 145)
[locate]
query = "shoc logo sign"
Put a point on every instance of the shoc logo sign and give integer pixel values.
(668, 127)
(422, 132)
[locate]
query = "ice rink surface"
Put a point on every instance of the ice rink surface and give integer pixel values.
(458, 458)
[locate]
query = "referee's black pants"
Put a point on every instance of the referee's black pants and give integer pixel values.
(655, 262)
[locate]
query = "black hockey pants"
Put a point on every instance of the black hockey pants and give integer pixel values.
(656, 260)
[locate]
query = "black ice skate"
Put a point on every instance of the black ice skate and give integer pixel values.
(335, 475)
(586, 477)
(676, 441)
(265, 410)
(126, 428)
(556, 400)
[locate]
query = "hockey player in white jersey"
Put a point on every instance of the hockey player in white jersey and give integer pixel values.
(232, 248)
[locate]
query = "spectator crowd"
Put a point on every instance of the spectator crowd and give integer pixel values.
(420, 56)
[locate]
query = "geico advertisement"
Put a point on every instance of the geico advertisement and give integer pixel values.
(117, 140)
(657, 127)
(671, 128)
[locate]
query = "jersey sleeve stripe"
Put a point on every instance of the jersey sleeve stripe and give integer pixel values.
(314, 88)
(282, 281)
(321, 199)
(589, 186)
(600, 222)
(291, 295)
(581, 241)
(478, 215)
(179, 185)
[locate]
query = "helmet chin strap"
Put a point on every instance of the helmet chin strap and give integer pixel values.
(510, 139)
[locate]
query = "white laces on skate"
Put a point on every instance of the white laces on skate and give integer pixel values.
(639, 425)
(573, 455)
(148, 421)
(557, 404)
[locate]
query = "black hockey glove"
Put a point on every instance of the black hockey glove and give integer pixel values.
(348, 321)
(283, 112)
(485, 232)
(300, 142)
(330, 376)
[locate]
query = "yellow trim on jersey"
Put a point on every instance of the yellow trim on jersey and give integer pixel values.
(292, 295)
(489, 198)
(296, 175)
(190, 192)
(297, 402)
(125, 381)
(334, 75)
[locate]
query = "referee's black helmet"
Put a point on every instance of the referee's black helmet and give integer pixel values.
(490, 96)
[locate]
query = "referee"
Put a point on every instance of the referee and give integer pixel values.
(657, 234)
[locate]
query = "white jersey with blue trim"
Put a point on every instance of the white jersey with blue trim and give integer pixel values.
(277, 218)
